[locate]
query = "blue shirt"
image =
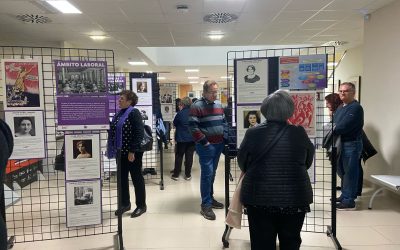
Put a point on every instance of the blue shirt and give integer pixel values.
(348, 121)
(181, 123)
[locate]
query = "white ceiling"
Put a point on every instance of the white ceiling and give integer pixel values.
(130, 24)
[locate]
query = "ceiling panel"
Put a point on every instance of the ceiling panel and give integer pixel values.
(258, 6)
(20, 7)
(308, 4)
(99, 7)
(147, 18)
(318, 24)
(333, 15)
(140, 7)
(176, 27)
(188, 18)
(230, 6)
(348, 5)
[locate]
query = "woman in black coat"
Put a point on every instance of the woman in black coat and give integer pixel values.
(276, 190)
(124, 138)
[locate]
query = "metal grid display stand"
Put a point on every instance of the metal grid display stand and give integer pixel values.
(322, 218)
(37, 210)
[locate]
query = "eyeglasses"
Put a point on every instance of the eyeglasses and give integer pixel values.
(345, 91)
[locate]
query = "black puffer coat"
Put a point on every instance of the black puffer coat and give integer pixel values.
(282, 179)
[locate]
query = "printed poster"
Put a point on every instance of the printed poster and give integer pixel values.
(311, 170)
(251, 80)
(308, 72)
(23, 84)
(83, 203)
(28, 133)
(304, 111)
(147, 114)
(247, 117)
(82, 156)
(166, 111)
(116, 83)
(82, 113)
(143, 89)
(81, 77)
(166, 94)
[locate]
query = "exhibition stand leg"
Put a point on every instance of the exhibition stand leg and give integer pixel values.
(119, 206)
(160, 148)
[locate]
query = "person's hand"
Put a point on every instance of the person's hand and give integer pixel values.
(207, 144)
(131, 156)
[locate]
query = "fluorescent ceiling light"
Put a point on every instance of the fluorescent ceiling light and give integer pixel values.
(215, 35)
(192, 82)
(64, 7)
(98, 37)
(332, 64)
(193, 77)
(191, 70)
(225, 77)
(138, 63)
(149, 72)
(162, 78)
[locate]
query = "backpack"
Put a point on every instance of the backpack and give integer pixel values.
(147, 141)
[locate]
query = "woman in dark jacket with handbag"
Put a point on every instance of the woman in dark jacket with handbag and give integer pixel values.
(276, 188)
(124, 138)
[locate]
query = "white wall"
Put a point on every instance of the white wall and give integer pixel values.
(351, 65)
(381, 86)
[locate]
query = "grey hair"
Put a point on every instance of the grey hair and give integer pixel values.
(277, 106)
(208, 84)
(350, 85)
(186, 102)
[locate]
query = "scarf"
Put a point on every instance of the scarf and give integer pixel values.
(117, 141)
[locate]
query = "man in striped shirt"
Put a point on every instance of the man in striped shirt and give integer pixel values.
(207, 125)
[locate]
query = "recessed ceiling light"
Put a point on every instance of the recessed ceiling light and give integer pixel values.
(138, 63)
(149, 72)
(64, 7)
(98, 37)
(225, 77)
(191, 70)
(215, 35)
(162, 78)
(193, 77)
(193, 82)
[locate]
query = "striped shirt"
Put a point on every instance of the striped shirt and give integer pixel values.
(207, 122)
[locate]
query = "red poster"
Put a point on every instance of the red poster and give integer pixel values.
(304, 111)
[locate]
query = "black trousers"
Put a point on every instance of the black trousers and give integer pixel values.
(264, 227)
(135, 169)
(3, 225)
(184, 149)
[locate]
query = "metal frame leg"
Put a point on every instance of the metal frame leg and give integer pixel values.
(373, 197)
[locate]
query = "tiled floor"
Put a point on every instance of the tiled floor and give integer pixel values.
(173, 222)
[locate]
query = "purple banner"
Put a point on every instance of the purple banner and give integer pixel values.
(81, 77)
(81, 113)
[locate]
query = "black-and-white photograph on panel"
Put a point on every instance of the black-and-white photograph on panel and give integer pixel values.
(251, 80)
(83, 203)
(82, 156)
(142, 88)
(147, 114)
(247, 117)
(28, 132)
(167, 112)
(167, 94)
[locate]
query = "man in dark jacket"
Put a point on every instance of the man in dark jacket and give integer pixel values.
(184, 141)
(348, 123)
(6, 147)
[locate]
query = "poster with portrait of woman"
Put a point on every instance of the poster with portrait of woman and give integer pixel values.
(28, 132)
(166, 111)
(142, 88)
(304, 111)
(247, 117)
(82, 156)
(22, 84)
(251, 80)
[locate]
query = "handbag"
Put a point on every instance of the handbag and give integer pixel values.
(147, 141)
(235, 210)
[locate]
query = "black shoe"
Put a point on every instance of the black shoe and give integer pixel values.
(207, 212)
(138, 211)
(172, 171)
(345, 207)
(217, 205)
(188, 177)
(122, 210)
(175, 177)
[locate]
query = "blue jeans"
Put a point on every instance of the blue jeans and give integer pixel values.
(208, 158)
(349, 167)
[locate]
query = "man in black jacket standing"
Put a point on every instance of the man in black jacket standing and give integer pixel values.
(348, 123)
(6, 147)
